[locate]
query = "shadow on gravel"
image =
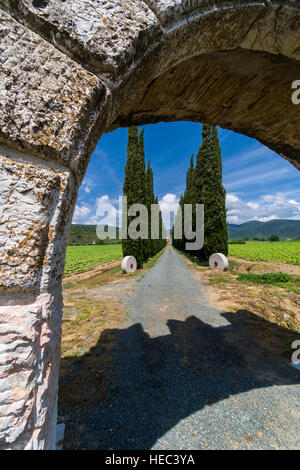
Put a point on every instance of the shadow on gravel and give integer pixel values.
(153, 383)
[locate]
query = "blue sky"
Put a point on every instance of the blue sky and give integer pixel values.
(260, 184)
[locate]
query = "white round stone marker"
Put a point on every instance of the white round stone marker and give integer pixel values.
(129, 265)
(218, 261)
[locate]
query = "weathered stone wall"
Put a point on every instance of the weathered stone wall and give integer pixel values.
(36, 206)
(29, 358)
(245, 91)
(128, 45)
(70, 71)
(48, 101)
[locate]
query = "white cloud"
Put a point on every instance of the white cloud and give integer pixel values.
(81, 213)
(87, 185)
(105, 211)
(232, 199)
(169, 206)
(268, 207)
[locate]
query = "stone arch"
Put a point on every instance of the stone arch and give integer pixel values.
(69, 73)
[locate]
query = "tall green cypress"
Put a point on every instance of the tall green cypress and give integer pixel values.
(213, 194)
(134, 189)
(162, 238)
(179, 243)
(190, 182)
(161, 242)
(200, 174)
(144, 192)
(218, 240)
(204, 186)
(150, 201)
(190, 192)
(187, 198)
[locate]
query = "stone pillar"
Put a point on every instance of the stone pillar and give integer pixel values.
(50, 106)
(36, 207)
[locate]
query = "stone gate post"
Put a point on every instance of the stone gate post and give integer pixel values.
(49, 106)
(36, 206)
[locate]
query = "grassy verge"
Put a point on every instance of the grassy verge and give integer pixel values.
(109, 275)
(94, 280)
(283, 280)
(91, 324)
(89, 335)
(152, 261)
(84, 258)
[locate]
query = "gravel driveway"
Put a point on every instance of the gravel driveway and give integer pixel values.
(191, 377)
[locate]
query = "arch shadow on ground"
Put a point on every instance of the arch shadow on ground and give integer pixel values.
(155, 383)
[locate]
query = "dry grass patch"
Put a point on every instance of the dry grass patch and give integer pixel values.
(91, 323)
(89, 335)
(273, 304)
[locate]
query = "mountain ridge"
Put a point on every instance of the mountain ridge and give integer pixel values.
(283, 228)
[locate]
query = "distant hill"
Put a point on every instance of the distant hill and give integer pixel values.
(86, 235)
(283, 228)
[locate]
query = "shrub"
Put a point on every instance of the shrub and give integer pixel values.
(267, 278)
(274, 238)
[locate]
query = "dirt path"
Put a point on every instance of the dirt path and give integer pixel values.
(187, 376)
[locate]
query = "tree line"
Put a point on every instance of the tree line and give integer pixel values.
(204, 186)
(139, 189)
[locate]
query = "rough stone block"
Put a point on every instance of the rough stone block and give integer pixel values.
(30, 196)
(226, 62)
(107, 36)
(173, 11)
(47, 101)
(29, 361)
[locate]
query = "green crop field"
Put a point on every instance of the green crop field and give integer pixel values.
(84, 258)
(281, 252)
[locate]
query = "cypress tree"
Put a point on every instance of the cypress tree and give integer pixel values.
(190, 182)
(212, 194)
(190, 193)
(156, 242)
(138, 187)
(179, 243)
(144, 192)
(200, 175)
(134, 189)
(187, 198)
(161, 242)
(218, 241)
(204, 186)
(150, 201)
(172, 235)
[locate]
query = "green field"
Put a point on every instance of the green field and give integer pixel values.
(280, 252)
(84, 258)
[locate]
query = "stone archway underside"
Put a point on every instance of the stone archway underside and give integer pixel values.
(71, 71)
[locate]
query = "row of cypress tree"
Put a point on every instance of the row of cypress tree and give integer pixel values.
(204, 186)
(138, 187)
